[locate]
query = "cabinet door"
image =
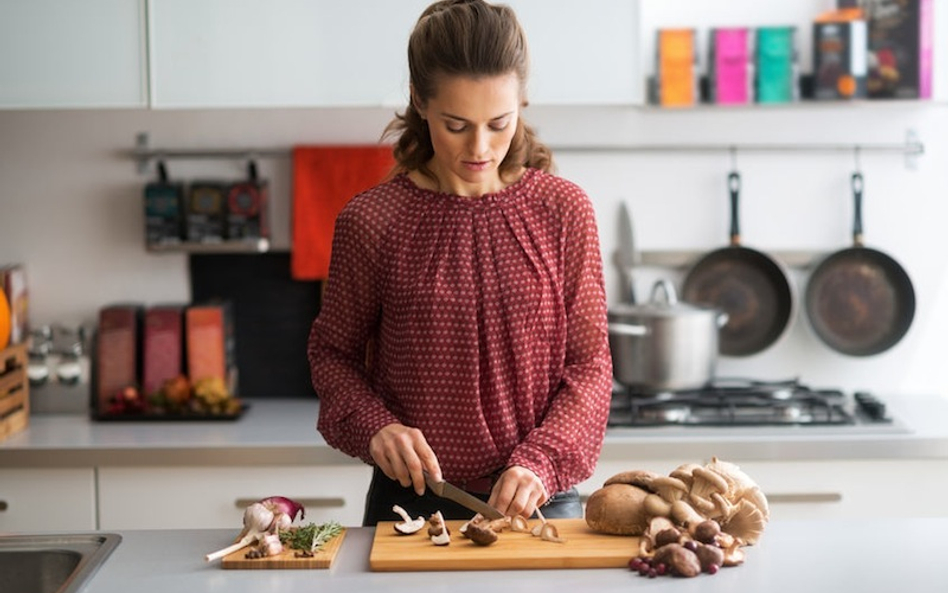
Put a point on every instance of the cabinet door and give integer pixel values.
(72, 54)
(47, 499)
(318, 53)
(215, 497)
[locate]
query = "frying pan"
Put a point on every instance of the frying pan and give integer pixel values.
(750, 287)
(860, 301)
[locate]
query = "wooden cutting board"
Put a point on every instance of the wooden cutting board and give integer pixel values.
(583, 549)
(286, 559)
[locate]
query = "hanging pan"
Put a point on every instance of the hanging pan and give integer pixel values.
(860, 301)
(752, 289)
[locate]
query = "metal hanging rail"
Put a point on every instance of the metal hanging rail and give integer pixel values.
(911, 149)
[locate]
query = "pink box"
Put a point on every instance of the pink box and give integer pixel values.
(730, 66)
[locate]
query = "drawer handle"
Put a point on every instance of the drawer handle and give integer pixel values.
(3, 505)
(804, 497)
(328, 502)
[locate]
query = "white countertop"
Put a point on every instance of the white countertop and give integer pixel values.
(284, 431)
(869, 556)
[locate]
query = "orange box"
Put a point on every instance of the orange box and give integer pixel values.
(209, 343)
(677, 68)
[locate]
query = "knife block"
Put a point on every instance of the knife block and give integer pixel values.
(14, 391)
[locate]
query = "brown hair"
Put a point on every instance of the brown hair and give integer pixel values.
(468, 38)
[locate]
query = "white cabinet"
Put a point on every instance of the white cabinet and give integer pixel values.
(318, 53)
(215, 497)
(57, 54)
(824, 489)
(47, 499)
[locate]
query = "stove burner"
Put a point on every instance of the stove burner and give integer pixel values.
(744, 402)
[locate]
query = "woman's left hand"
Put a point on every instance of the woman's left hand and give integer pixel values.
(518, 491)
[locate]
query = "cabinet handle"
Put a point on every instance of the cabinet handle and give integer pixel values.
(3, 505)
(804, 497)
(328, 502)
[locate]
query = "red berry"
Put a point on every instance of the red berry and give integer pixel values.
(635, 563)
(660, 568)
(652, 573)
(690, 545)
(712, 569)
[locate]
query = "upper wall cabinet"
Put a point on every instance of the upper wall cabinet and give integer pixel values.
(58, 54)
(304, 53)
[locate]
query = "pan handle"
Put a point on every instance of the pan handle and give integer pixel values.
(734, 186)
(857, 184)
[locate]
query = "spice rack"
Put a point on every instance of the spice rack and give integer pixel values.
(14, 391)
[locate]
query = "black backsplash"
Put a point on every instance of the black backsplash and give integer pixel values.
(272, 316)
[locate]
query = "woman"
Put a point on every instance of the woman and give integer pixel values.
(463, 328)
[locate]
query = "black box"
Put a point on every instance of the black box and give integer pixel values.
(247, 217)
(206, 211)
(839, 59)
(164, 218)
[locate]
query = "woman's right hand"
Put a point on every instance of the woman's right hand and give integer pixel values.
(403, 454)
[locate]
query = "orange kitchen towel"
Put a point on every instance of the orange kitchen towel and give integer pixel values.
(325, 178)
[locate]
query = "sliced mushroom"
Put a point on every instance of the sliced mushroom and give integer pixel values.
(550, 533)
(408, 525)
(481, 534)
(519, 524)
(438, 531)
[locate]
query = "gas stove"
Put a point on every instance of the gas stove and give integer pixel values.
(745, 402)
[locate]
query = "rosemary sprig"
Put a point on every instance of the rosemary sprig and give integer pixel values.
(310, 537)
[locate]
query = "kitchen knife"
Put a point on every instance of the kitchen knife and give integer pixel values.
(626, 257)
(452, 492)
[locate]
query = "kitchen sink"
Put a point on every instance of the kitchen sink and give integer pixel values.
(52, 563)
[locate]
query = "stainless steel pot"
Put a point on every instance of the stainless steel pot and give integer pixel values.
(664, 345)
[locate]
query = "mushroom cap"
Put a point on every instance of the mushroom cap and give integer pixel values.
(636, 477)
(683, 472)
(617, 509)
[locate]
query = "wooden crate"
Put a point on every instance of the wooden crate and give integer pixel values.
(14, 391)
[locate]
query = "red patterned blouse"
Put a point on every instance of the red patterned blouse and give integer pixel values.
(487, 319)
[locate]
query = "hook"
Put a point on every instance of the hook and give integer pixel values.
(732, 150)
(856, 160)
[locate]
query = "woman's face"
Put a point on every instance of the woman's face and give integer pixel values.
(472, 122)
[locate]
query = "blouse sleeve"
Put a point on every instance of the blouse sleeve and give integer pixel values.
(564, 449)
(349, 411)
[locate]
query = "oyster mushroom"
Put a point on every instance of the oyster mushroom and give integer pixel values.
(705, 482)
(683, 473)
(669, 488)
(746, 524)
(684, 514)
(408, 525)
(656, 506)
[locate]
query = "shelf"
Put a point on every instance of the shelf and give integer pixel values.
(249, 246)
(682, 259)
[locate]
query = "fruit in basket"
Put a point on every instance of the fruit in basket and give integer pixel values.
(176, 390)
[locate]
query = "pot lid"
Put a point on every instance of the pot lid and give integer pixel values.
(663, 302)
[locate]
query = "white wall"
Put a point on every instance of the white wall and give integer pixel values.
(70, 205)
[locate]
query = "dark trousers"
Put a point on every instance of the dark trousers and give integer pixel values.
(384, 493)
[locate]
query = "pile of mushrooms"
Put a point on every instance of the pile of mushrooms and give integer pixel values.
(714, 505)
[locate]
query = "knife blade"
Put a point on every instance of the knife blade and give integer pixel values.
(463, 498)
(626, 256)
